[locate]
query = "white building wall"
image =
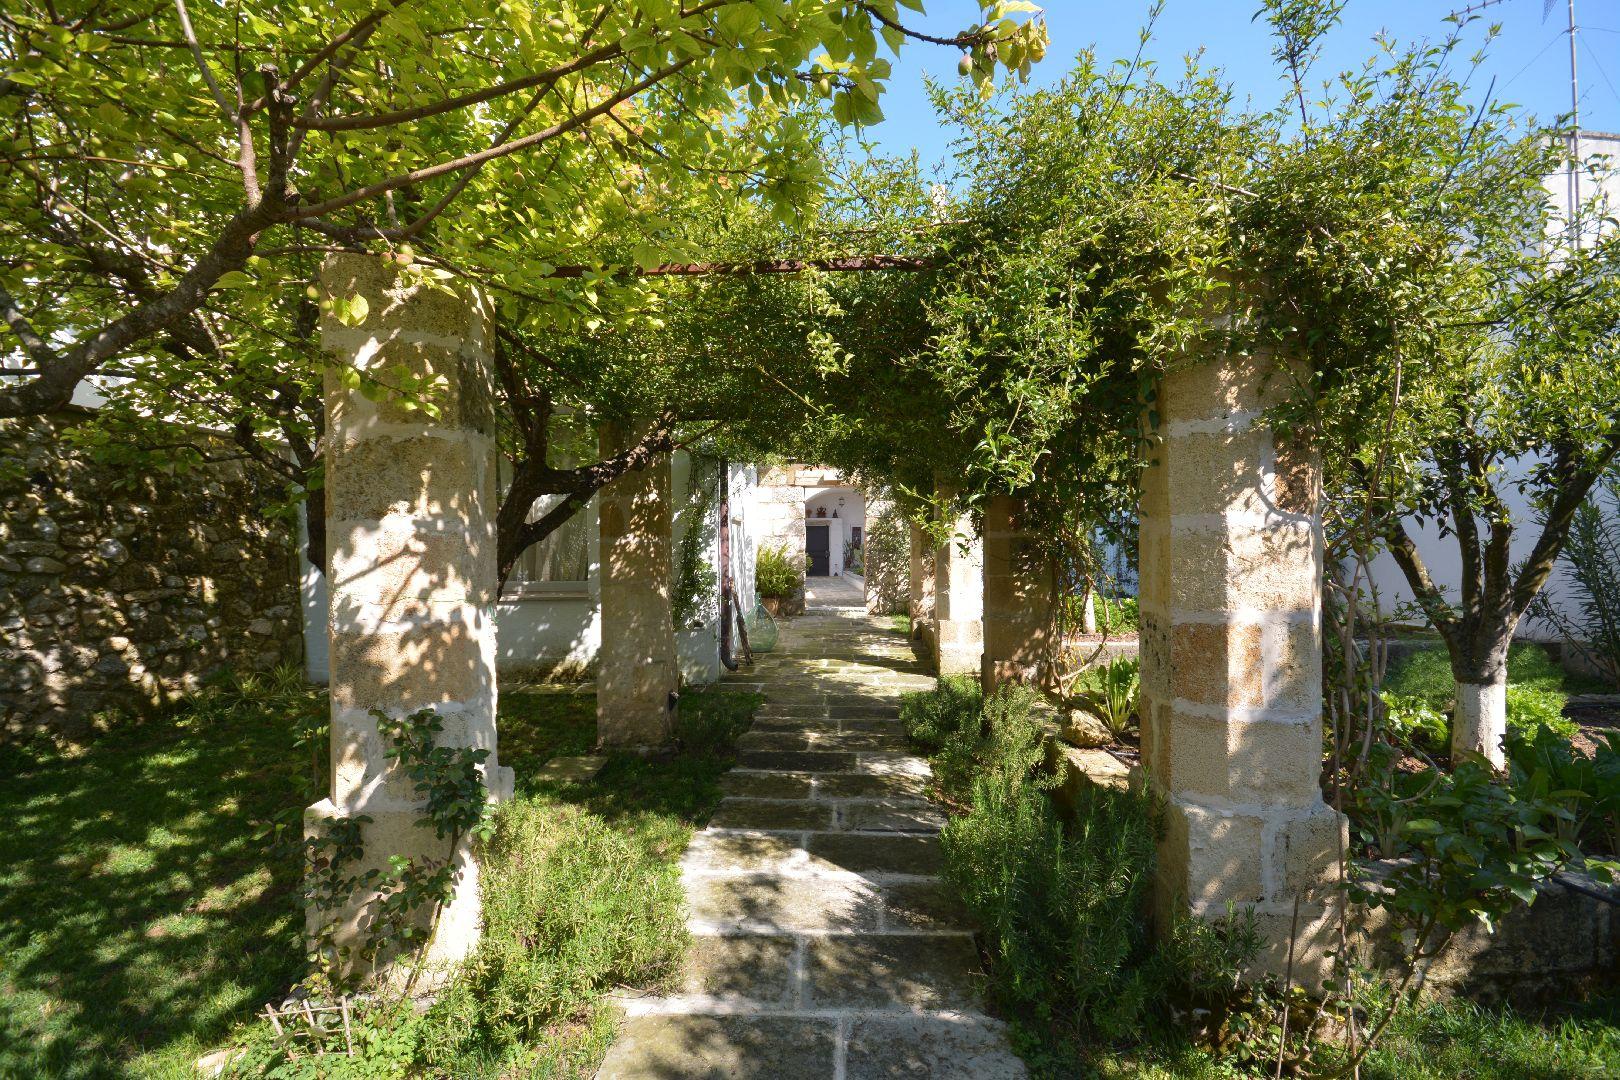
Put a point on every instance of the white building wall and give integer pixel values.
(554, 630)
(1440, 553)
(849, 504)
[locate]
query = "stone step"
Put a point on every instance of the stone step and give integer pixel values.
(770, 784)
(738, 1047)
(779, 739)
(874, 972)
(872, 855)
(827, 815)
(768, 903)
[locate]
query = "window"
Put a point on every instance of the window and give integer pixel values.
(562, 559)
(563, 556)
(855, 536)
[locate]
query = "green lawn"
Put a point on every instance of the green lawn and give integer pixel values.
(1451, 1041)
(144, 917)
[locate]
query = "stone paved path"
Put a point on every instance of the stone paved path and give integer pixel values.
(825, 944)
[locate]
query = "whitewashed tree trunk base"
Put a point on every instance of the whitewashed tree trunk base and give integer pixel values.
(1480, 720)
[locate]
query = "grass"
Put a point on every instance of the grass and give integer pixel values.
(143, 917)
(1455, 1040)
(139, 914)
(1426, 673)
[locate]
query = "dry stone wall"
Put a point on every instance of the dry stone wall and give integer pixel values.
(121, 591)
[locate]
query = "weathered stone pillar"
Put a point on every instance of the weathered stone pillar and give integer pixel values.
(411, 548)
(920, 585)
(1231, 566)
(1019, 588)
(959, 602)
(637, 671)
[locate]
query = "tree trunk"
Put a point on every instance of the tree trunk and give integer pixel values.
(1088, 610)
(1479, 720)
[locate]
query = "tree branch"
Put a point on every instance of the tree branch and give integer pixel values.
(404, 116)
(562, 127)
(34, 345)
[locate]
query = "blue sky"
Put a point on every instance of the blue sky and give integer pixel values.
(1530, 59)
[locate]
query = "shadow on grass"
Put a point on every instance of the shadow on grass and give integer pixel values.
(139, 913)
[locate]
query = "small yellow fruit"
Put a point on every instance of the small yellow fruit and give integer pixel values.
(964, 66)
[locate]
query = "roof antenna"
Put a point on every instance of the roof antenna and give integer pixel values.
(1574, 187)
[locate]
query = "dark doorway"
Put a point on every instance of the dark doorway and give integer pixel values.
(815, 546)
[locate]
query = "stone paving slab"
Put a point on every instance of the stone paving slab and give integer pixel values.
(825, 944)
(914, 1048)
(721, 1047)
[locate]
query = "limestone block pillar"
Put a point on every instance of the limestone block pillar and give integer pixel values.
(638, 672)
(410, 508)
(959, 602)
(1019, 588)
(1231, 569)
(920, 585)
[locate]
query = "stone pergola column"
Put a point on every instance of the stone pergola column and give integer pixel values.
(410, 531)
(1019, 589)
(638, 673)
(959, 602)
(920, 584)
(1231, 568)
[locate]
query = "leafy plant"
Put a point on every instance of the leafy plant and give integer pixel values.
(1414, 720)
(1470, 849)
(775, 574)
(1113, 691)
(405, 899)
(1544, 766)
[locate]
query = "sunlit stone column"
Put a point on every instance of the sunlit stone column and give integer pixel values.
(1231, 566)
(637, 671)
(411, 549)
(959, 601)
(1019, 589)
(920, 585)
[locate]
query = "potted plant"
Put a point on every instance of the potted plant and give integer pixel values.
(778, 581)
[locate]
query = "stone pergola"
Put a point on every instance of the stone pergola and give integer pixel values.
(1231, 563)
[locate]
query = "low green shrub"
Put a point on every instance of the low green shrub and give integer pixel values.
(1543, 765)
(1061, 899)
(1118, 616)
(931, 717)
(1426, 672)
(1114, 615)
(573, 907)
(1418, 722)
(1533, 706)
(776, 574)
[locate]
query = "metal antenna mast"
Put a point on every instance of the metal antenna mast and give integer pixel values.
(1574, 186)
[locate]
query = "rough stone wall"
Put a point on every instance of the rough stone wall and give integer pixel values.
(887, 558)
(779, 514)
(122, 591)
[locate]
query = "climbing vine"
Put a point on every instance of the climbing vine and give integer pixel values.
(406, 897)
